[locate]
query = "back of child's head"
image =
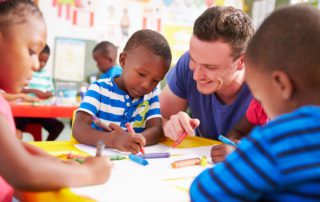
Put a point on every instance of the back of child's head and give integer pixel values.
(289, 41)
(151, 40)
(228, 24)
(16, 11)
(107, 49)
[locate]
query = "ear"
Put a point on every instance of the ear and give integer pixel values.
(122, 59)
(283, 83)
(240, 62)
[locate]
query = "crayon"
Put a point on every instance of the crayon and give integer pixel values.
(100, 148)
(227, 141)
(79, 160)
(203, 161)
(117, 157)
(179, 140)
(155, 155)
(130, 130)
(186, 162)
(138, 159)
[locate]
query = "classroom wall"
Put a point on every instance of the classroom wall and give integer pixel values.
(96, 20)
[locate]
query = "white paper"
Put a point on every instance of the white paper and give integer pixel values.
(158, 181)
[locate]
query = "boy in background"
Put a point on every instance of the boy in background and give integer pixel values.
(280, 160)
(41, 86)
(131, 97)
(105, 55)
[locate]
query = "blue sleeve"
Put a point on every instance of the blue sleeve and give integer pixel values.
(91, 101)
(177, 78)
(250, 171)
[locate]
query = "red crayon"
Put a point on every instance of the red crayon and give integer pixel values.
(130, 130)
(179, 140)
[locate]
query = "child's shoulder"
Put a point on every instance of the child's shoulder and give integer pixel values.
(288, 128)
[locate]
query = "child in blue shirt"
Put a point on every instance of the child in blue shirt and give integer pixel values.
(131, 97)
(280, 160)
(105, 55)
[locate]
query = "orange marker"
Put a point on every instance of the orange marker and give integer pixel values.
(186, 162)
(130, 130)
(179, 140)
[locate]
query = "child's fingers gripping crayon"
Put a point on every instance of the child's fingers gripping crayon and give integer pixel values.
(227, 141)
(130, 130)
(99, 123)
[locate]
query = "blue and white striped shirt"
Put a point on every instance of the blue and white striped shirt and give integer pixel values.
(277, 162)
(112, 105)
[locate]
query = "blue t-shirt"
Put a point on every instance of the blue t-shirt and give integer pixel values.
(107, 101)
(113, 71)
(277, 162)
(215, 118)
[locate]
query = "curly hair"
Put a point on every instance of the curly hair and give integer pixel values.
(228, 24)
(151, 40)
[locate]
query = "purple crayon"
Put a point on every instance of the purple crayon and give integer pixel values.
(155, 155)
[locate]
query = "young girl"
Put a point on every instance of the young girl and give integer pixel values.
(22, 166)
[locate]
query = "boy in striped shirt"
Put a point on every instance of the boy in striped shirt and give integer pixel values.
(280, 160)
(41, 86)
(131, 97)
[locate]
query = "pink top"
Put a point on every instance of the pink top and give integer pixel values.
(6, 191)
(255, 113)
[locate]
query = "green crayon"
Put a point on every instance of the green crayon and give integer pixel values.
(117, 157)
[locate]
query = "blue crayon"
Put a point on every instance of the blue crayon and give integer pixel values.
(155, 155)
(138, 159)
(227, 141)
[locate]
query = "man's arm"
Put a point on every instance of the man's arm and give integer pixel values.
(175, 120)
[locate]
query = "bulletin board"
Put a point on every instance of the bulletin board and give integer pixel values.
(69, 59)
(72, 59)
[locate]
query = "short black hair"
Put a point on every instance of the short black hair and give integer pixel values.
(16, 11)
(151, 40)
(107, 48)
(228, 24)
(46, 50)
(289, 40)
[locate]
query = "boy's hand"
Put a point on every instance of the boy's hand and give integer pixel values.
(178, 124)
(99, 167)
(220, 152)
(128, 142)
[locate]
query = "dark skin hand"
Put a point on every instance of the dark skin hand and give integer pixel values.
(114, 136)
(220, 152)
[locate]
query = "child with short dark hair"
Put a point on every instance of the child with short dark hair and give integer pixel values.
(105, 55)
(41, 86)
(280, 160)
(131, 97)
(24, 167)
